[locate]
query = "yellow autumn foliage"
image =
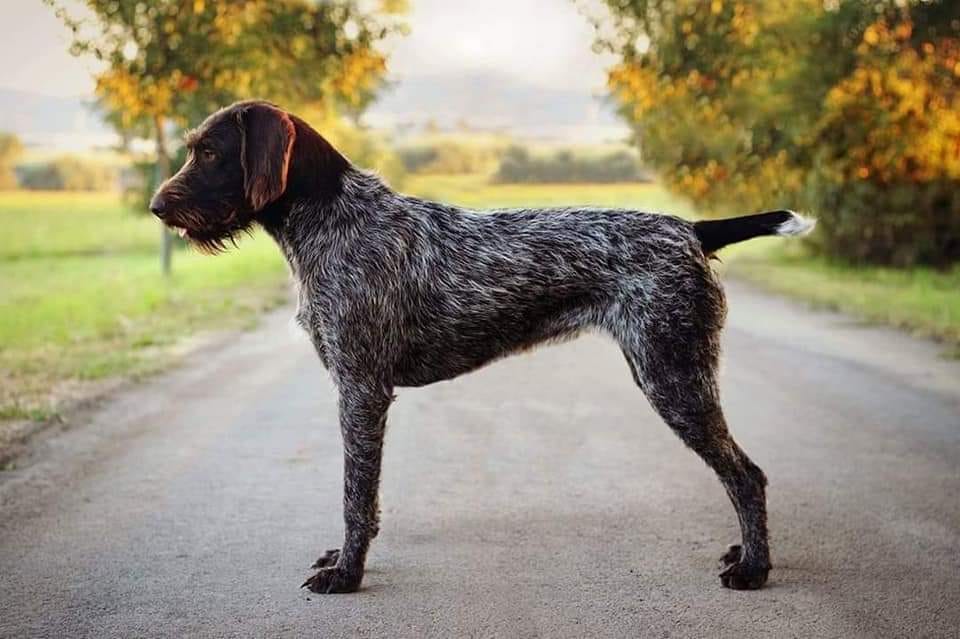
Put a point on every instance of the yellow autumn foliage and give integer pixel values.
(851, 110)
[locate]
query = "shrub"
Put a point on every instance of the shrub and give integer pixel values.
(519, 165)
(10, 150)
(68, 174)
(452, 156)
(415, 158)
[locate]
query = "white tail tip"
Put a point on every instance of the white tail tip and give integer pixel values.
(796, 225)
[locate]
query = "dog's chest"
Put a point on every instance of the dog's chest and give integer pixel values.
(309, 318)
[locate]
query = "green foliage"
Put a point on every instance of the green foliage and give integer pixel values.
(899, 223)
(416, 158)
(519, 165)
(68, 174)
(849, 109)
(10, 151)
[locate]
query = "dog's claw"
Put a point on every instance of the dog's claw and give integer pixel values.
(328, 559)
(332, 580)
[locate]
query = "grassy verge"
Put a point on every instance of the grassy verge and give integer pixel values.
(82, 299)
(923, 301)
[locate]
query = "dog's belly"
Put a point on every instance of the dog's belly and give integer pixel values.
(421, 376)
(440, 360)
(430, 368)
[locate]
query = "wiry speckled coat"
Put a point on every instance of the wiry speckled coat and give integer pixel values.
(398, 291)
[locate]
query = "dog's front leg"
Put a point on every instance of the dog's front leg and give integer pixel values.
(363, 416)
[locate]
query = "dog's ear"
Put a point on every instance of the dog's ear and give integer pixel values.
(267, 136)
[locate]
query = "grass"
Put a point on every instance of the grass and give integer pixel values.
(63, 223)
(82, 298)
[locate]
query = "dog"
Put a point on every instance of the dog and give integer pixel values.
(396, 291)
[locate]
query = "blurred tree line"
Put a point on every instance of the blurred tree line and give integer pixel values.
(170, 63)
(60, 173)
(847, 108)
(511, 163)
(68, 174)
(452, 155)
(518, 165)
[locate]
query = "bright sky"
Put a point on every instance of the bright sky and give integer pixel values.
(33, 42)
(544, 42)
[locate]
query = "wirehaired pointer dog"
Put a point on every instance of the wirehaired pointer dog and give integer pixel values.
(398, 291)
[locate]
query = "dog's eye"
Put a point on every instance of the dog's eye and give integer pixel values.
(208, 155)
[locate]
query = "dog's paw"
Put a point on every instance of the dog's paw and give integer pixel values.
(328, 559)
(333, 580)
(740, 575)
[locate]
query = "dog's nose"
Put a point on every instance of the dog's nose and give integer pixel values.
(158, 205)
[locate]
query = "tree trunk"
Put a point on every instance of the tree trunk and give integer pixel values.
(162, 173)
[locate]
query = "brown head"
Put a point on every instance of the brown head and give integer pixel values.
(245, 164)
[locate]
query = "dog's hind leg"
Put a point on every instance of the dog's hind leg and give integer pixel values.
(363, 414)
(679, 379)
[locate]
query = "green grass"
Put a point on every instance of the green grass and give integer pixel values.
(82, 297)
(62, 223)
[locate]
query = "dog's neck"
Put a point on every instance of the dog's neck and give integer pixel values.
(324, 191)
(316, 172)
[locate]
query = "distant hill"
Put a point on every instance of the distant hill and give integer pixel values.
(487, 101)
(497, 102)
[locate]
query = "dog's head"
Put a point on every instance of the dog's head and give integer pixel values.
(238, 163)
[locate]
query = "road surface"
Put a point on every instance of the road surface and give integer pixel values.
(539, 497)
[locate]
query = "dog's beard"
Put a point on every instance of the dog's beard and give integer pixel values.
(209, 237)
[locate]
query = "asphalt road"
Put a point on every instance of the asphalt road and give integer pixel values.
(539, 497)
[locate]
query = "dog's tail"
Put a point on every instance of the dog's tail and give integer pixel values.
(715, 234)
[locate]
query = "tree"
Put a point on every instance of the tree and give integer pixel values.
(171, 62)
(10, 150)
(845, 108)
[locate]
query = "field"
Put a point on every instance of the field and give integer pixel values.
(82, 299)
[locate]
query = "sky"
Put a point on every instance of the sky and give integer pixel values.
(33, 37)
(544, 42)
